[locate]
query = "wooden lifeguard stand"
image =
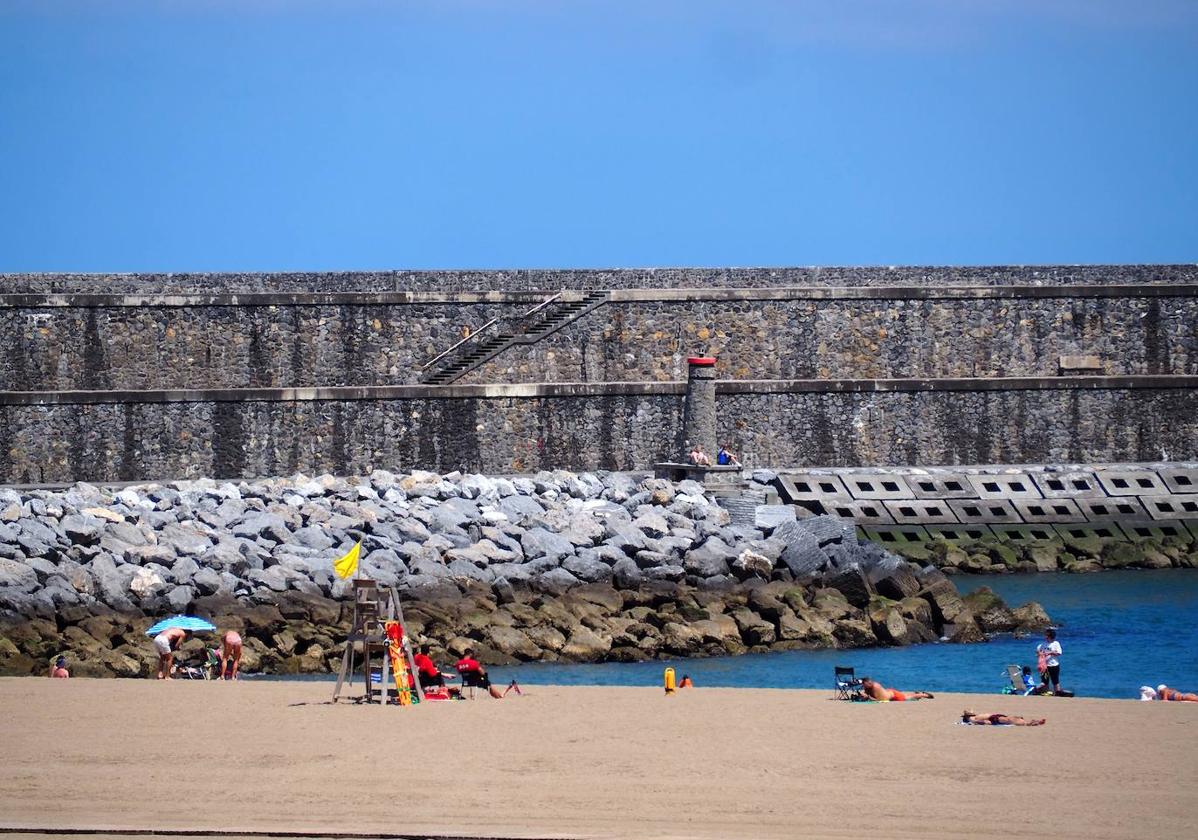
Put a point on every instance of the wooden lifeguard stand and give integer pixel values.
(374, 606)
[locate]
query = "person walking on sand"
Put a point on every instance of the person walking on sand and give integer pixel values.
(974, 719)
(1048, 653)
(59, 670)
(230, 653)
(166, 643)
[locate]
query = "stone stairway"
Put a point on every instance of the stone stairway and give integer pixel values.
(501, 334)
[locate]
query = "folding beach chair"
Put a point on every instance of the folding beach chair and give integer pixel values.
(1015, 675)
(212, 665)
(469, 682)
(848, 687)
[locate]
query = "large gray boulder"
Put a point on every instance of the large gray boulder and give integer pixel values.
(81, 529)
(830, 529)
(801, 553)
(626, 574)
(184, 540)
(711, 558)
(538, 542)
(852, 583)
(555, 582)
(587, 566)
(18, 577)
(519, 508)
(265, 525)
(894, 578)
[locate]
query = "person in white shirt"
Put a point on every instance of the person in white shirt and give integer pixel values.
(1050, 650)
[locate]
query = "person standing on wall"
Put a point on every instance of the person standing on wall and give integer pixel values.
(1049, 651)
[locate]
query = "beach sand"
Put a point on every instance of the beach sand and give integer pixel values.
(593, 762)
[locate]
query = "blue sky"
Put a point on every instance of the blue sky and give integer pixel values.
(259, 135)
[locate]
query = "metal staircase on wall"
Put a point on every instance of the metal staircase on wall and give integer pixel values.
(500, 334)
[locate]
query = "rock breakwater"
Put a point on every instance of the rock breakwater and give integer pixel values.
(557, 566)
(994, 556)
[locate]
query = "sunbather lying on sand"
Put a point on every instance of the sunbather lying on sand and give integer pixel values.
(1163, 692)
(877, 691)
(974, 719)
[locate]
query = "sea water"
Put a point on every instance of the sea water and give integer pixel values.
(1118, 631)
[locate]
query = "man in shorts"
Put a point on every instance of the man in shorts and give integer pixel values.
(166, 643)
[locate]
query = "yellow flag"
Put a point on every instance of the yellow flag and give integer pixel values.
(348, 564)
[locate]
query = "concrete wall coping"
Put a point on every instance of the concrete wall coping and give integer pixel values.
(534, 390)
(682, 295)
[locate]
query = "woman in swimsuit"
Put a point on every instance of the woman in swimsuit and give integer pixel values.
(1163, 692)
(877, 691)
(974, 719)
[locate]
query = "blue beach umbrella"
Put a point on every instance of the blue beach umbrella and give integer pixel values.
(183, 622)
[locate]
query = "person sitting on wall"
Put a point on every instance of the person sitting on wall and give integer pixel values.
(726, 457)
(698, 457)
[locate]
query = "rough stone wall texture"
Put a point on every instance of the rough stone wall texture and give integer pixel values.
(641, 278)
(104, 442)
(804, 339)
(88, 348)
(157, 347)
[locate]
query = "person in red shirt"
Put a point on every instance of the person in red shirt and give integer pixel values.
(430, 674)
(474, 674)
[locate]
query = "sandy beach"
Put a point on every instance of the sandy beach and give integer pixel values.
(588, 762)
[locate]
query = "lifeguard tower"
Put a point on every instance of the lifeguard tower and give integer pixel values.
(377, 633)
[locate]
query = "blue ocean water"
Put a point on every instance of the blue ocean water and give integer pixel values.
(1118, 631)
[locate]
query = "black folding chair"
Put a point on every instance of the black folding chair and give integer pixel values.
(848, 687)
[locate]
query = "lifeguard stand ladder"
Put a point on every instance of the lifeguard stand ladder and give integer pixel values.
(374, 605)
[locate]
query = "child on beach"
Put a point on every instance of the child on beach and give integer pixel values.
(59, 671)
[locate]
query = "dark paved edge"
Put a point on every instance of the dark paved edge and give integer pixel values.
(314, 835)
(542, 390)
(71, 300)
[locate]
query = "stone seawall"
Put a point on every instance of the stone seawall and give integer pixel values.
(561, 566)
(636, 278)
(113, 436)
(91, 342)
(803, 339)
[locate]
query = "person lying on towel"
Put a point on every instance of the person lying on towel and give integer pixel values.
(974, 719)
(877, 691)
